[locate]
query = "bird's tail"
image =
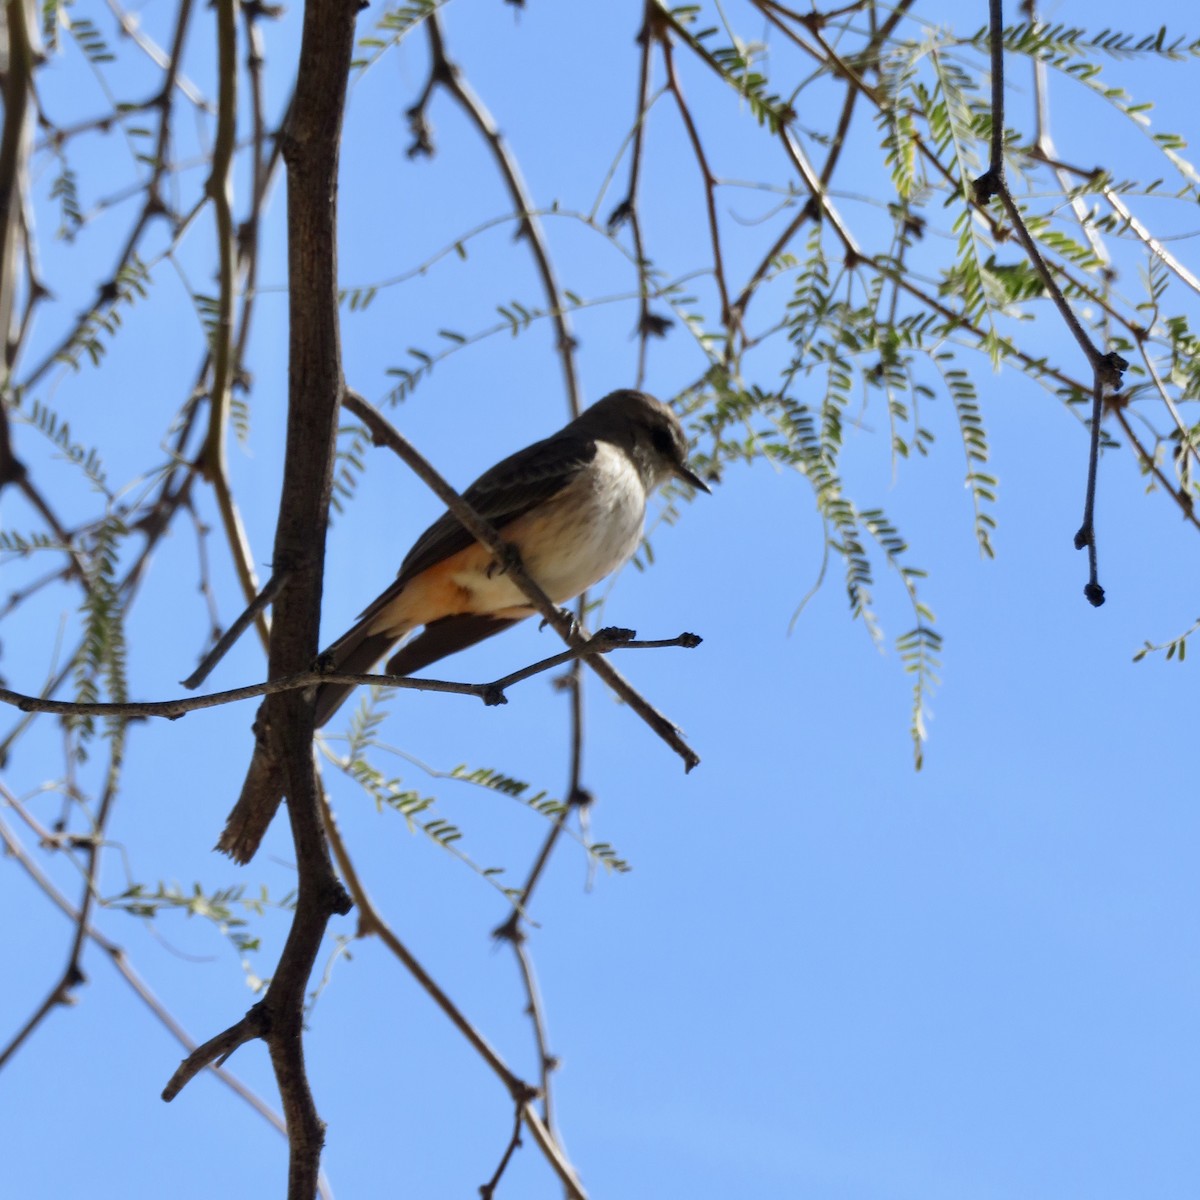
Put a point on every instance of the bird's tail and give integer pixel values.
(444, 637)
(359, 650)
(355, 653)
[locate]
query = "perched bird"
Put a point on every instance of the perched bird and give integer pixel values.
(572, 505)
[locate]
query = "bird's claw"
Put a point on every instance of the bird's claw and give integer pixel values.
(508, 560)
(571, 619)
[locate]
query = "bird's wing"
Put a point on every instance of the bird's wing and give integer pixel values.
(510, 489)
(500, 495)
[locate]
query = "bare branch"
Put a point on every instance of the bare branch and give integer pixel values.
(488, 1190)
(310, 151)
(235, 631)
(448, 74)
(217, 1049)
(120, 960)
(1107, 369)
(371, 923)
(706, 175)
(490, 693)
(152, 207)
(649, 324)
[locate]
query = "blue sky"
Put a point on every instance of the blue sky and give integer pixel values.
(827, 975)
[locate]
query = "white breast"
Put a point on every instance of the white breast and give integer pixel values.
(580, 535)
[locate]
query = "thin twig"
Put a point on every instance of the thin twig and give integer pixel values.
(169, 62)
(265, 164)
(601, 642)
(1043, 145)
(649, 324)
(1131, 222)
(205, 583)
(707, 177)
(1187, 440)
(18, 597)
(372, 924)
(445, 72)
(1150, 463)
(490, 693)
(61, 993)
(488, 1190)
(76, 566)
(553, 1152)
(118, 956)
(213, 460)
(153, 206)
(216, 1050)
(15, 143)
(235, 631)
(173, 709)
(1107, 369)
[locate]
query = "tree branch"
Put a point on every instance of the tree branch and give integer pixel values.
(491, 694)
(311, 144)
(1107, 369)
(119, 958)
(447, 73)
(372, 923)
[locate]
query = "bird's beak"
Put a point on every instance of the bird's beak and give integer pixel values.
(689, 476)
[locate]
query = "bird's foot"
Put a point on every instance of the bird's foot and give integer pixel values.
(572, 621)
(509, 560)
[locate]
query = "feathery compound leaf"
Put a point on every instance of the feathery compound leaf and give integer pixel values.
(410, 804)
(218, 907)
(130, 285)
(1176, 648)
(735, 65)
(896, 118)
(349, 463)
(47, 422)
(65, 189)
(88, 38)
(1067, 49)
(603, 853)
(17, 543)
(1066, 42)
(391, 29)
(919, 651)
(100, 662)
(975, 446)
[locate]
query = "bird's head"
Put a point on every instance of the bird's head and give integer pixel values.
(648, 431)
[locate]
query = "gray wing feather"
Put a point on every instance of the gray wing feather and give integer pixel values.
(510, 489)
(507, 491)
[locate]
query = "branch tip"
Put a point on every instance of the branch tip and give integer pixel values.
(986, 188)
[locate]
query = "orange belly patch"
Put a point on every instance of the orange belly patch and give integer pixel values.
(441, 590)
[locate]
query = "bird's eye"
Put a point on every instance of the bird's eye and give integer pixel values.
(664, 443)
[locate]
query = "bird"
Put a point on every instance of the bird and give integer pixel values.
(572, 505)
